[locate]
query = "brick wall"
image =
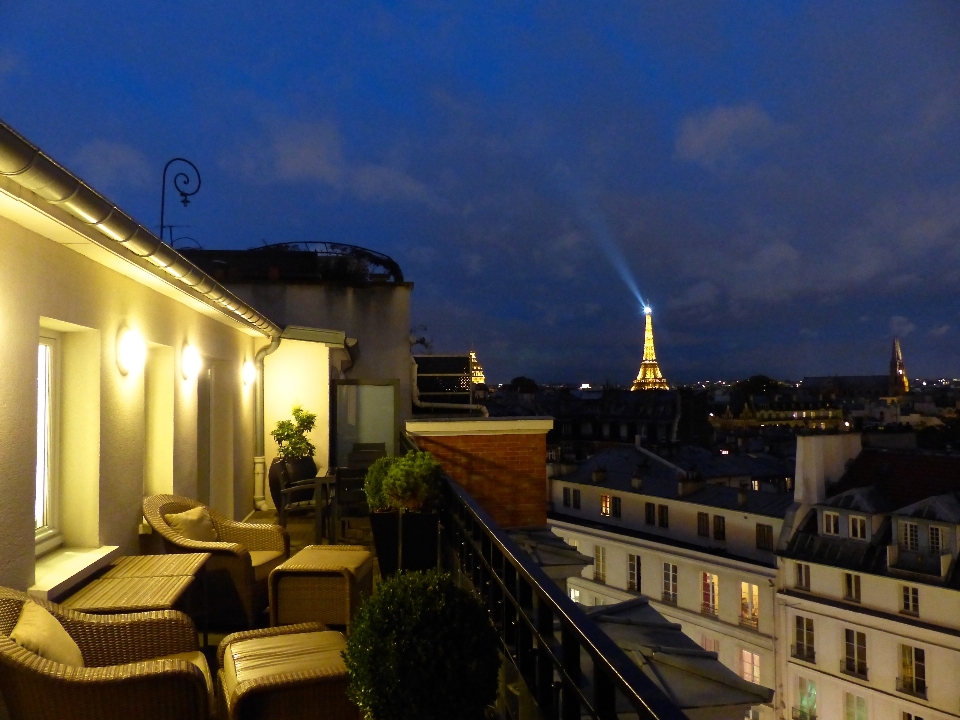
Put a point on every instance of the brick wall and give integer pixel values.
(506, 474)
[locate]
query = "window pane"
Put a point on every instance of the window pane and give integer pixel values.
(43, 436)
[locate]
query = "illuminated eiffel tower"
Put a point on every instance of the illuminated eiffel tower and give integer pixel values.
(649, 377)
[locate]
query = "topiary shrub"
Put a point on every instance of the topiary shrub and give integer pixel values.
(422, 648)
(412, 481)
(373, 484)
(291, 436)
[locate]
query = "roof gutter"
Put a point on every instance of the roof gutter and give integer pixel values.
(28, 166)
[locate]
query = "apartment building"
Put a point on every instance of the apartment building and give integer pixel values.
(703, 554)
(868, 599)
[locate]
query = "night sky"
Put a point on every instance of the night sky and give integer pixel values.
(780, 179)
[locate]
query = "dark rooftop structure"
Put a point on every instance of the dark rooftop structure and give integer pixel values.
(904, 476)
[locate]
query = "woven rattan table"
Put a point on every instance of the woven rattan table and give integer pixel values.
(321, 583)
(129, 594)
(158, 565)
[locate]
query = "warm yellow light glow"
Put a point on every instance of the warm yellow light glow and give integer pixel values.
(190, 362)
(249, 373)
(131, 351)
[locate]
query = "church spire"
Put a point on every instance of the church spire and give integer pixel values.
(649, 377)
(899, 385)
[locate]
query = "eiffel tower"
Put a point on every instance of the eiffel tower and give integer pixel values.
(649, 377)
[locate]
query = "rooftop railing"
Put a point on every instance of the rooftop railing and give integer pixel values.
(569, 665)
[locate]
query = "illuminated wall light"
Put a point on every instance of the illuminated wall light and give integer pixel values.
(131, 351)
(190, 362)
(249, 373)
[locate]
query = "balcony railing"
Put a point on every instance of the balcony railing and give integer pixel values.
(669, 597)
(708, 609)
(801, 714)
(599, 577)
(750, 621)
(849, 666)
(571, 667)
(803, 652)
(912, 686)
(904, 560)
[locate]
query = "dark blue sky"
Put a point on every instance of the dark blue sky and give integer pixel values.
(782, 179)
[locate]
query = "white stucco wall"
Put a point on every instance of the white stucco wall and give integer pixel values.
(104, 448)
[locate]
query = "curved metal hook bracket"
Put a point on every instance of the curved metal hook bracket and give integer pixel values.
(181, 183)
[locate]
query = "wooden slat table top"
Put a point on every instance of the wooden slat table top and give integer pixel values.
(129, 594)
(144, 566)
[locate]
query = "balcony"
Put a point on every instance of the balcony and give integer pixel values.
(750, 621)
(669, 597)
(915, 687)
(849, 666)
(801, 714)
(920, 564)
(803, 652)
(709, 609)
(600, 578)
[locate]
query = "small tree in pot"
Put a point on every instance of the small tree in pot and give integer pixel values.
(422, 648)
(294, 452)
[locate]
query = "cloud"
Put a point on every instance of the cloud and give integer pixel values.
(724, 134)
(296, 151)
(900, 326)
(940, 330)
(114, 165)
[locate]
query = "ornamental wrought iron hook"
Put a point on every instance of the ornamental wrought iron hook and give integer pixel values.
(181, 182)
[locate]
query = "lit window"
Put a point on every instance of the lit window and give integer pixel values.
(854, 707)
(909, 536)
(911, 600)
(803, 576)
(605, 505)
(806, 700)
(749, 605)
(858, 528)
(669, 583)
(575, 594)
(936, 540)
(710, 644)
(750, 666)
(633, 572)
(46, 520)
(709, 585)
(599, 563)
(831, 523)
(851, 587)
(913, 671)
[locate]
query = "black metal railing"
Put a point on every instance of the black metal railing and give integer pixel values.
(570, 666)
(851, 666)
(803, 652)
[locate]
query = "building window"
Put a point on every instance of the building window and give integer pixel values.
(624, 431)
(575, 594)
(909, 536)
(568, 428)
(803, 576)
(606, 431)
(936, 540)
(633, 572)
(710, 644)
(851, 587)
(719, 527)
(804, 648)
(566, 497)
(576, 499)
(669, 583)
(663, 516)
(913, 671)
(749, 605)
(831, 523)
(709, 585)
(586, 429)
(605, 505)
(764, 537)
(599, 563)
(911, 600)
(750, 666)
(854, 707)
(46, 520)
(616, 509)
(806, 700)
(650, 514)
(858, 528)
(703, 524)
(854, 653)
(910, 716)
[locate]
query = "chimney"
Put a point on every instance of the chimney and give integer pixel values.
(821, 459)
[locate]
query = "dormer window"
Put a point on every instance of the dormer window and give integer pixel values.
(858, 527)
(831, 523)
(909, 536)
(936, 540)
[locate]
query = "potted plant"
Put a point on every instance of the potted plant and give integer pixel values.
(422, 648)
(295, 452)
(401, 493)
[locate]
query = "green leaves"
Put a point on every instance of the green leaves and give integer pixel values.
(422, 648)
(408, 482)
(291, 436)
(373, 484)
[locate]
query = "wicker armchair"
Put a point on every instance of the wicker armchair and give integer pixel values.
(240, 562)
(317, 693)
(122, 678)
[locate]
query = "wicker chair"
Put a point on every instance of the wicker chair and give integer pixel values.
(314, 694)
(122, 677)
(240, 562)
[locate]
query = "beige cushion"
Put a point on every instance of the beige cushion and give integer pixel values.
(264, 561)
(196, 657)
(42, 634)
(194, 524)
(299, 652)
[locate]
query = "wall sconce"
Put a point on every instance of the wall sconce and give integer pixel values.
(190, 362)
(249, 373)
(131, 351)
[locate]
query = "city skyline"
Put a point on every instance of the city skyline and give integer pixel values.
(780, 182)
